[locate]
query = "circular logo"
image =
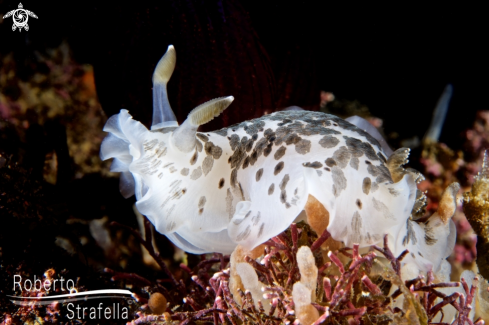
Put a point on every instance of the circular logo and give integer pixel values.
(20, 17)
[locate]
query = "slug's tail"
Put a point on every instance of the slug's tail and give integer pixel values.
(124, 144)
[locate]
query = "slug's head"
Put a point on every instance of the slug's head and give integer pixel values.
(139, 153)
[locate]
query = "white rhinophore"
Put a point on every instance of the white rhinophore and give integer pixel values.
(163, 115)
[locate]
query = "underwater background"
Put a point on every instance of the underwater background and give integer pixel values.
(79, 64)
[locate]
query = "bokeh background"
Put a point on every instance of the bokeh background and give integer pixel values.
(395, 58)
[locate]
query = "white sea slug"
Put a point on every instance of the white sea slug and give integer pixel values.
(208, 192)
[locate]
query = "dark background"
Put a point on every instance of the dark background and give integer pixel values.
(395, 58)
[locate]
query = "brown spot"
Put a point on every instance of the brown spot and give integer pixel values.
(327, 169)
(259, 173)
(315, 164)
(411, 234)
(283, 183)
(354, 162)
(330, 162)
(172, 224)
(268, 133)
(429, 236)
(267, 150)
(359, 204)
(229, 204)
(356, 226)
(278, 168)
(381, 172)
(367, 183)
(196, 173)
(261, 229)
(393, 192)
(382, 157)
(202, 137)
(221, 183)
(260, 146)
(354, 145)
(241, 190)
(253, 157)
(207, 164)
(342, 156)
(148, 145)
(198, 145)
(249, 145)
(339, 180)
(202, 201)
(283, 196)
(162, 152)
(234, 177)
(279, 153)
(213, 150)
(381, 207)
(292, 139)
(234, 141)
(256, 219)
(328, 141)
(369, 151)
(244, 234)
(193, 160)
(237, 157)
(246, 162)
(222, 132)
(271, 189)
(303, 146)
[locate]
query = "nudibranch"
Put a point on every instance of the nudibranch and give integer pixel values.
(208, 192)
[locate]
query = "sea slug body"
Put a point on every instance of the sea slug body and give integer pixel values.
(208, 192)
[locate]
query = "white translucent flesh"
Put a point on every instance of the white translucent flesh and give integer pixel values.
(185, 201)
(428, 243)
(380, 213)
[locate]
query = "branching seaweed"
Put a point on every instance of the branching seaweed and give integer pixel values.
(346, 292)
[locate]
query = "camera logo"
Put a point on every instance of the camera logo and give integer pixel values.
(20, 17)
